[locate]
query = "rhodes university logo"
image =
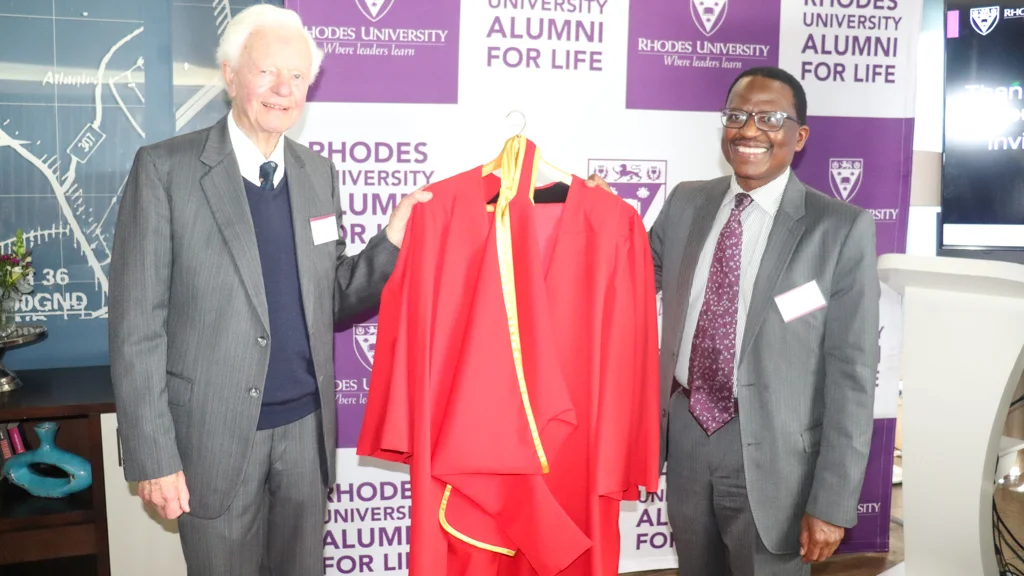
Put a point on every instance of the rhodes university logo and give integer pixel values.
(845, 176)
(984, 19)
(364, 339)
(708, 14)
(374, 10)
(638, 182)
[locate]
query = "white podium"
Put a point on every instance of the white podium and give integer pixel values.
(963, 334)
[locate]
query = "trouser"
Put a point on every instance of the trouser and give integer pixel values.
(706, 500)
(275, 524)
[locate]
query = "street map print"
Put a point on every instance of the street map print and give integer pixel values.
(74, 109)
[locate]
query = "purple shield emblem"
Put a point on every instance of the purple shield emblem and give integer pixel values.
(364, 339)
(845, 176)
(638, 182)
(374, 10)
(708, 14)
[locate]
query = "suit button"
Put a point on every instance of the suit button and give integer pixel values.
(261, 341)
(664, 413)
(254, 392)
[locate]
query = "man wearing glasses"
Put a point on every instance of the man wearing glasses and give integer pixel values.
(769, 348)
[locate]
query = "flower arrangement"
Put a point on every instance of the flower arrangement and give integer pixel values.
(16, 270)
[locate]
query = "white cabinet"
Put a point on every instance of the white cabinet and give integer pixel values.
(140, 541)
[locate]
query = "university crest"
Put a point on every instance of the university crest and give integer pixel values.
(364, 339)
(984, 19)
(708, 14)
(374, 10)
(845, 176)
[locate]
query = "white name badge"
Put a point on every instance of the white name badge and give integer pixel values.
(324, 228)
(800, 301)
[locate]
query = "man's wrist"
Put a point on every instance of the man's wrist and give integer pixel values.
(387, 233)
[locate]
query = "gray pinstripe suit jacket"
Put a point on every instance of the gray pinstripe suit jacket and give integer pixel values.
(189, 330)
(805, 388)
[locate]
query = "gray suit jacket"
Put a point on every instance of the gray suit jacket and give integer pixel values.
(806, 388)
(189, 331)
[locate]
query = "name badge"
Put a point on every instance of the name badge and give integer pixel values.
(800, 301)
(324, 229)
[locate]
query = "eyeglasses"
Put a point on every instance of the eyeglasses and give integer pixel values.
(767, 121)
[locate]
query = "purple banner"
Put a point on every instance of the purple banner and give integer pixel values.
(871, 534)
(384, 50)
(353, 362)
(684, 55)
(866, 162)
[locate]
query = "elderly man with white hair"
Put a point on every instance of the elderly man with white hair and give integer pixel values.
(228, 274)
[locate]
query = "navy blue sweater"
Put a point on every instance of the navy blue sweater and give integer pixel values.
(290, 392)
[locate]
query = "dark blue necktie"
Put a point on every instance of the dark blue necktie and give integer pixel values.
(267, 175)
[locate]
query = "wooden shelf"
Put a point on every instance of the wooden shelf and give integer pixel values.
(50, 543)
(76, 565)
(58, 393)
(20, 510)
(37, 534)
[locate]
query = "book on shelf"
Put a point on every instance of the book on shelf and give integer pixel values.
(16, 432)
(6, 452)
(12, 440)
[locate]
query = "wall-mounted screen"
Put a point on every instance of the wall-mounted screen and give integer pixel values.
(983, 160)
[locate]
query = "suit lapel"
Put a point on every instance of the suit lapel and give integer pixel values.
(300, 190)
(699, 228)
(225, 193)
(785, 233)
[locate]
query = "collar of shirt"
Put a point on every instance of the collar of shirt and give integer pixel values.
(768, 197)
(249, 156)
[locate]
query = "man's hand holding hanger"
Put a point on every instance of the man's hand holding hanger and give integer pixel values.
(400, 216)
(597, 181)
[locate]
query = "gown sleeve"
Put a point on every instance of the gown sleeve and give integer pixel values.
(401, 358)
(629, 436)
(646, 435)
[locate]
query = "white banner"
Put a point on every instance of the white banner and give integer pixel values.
(414, 92)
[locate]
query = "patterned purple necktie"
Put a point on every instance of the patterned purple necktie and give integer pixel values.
(713, 352)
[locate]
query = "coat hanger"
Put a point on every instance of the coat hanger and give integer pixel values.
(495, 164)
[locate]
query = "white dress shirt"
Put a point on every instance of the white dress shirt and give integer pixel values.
(757, 222)
(249, 156)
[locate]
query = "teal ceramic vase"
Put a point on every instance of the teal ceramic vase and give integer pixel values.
(21, 470)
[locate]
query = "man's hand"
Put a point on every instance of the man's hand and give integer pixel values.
(818, 539)
(596, 180)
(168, 495)
(400, 217)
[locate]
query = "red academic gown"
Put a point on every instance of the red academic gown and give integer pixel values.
(527, 409)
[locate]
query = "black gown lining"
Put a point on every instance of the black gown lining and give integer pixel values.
(555, 193)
